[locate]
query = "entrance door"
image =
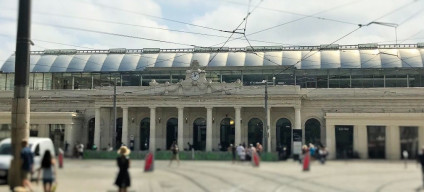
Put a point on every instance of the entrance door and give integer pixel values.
(171, 132)
(144, 134)
(227, 133)
(199, 134)
(376, 142)
(409, 141)
(344, 141)
(255, 132)
(284, 135)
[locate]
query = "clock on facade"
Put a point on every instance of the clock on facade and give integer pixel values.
(195, 76)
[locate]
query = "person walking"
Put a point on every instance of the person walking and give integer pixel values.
(80, 149)
(232, 149)
(49, 171)
(259, 148)
(241, 153)
(123, 180)
(174, 150)
(27, 164)
(421, 161)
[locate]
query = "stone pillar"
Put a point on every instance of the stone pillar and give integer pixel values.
(297, 118)
(69, 137)
(392, 142)
(331, 140)
(180, 128)
(125, 126)
(360, 140)
(152, 140)
(420, 137)
(209, 128)
(97, 128)
(269, 130)
(238, 126)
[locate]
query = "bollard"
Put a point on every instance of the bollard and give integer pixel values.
(148, 167)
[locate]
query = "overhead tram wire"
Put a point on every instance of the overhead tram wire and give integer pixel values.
(298, 14)
(152, 16)
(234, 31)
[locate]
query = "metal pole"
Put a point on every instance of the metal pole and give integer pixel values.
(21, 103)
(114, 116)
(265, 129)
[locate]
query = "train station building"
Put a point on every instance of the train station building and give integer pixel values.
(360, 101)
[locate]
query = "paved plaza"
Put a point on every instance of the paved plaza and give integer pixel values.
(211, 176)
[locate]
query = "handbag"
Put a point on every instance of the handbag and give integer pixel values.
(54, 187)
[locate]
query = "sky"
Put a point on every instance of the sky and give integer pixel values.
(136, 24)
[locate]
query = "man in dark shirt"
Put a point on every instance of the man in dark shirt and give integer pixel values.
(421, 161)
(27, 164)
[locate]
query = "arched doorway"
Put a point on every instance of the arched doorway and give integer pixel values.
(284, 134)
(171, 132)
(144, 134)
(313, 132)
(118, 137)
(255, 131)
(91, 129)
(227, 133)
(199, 134)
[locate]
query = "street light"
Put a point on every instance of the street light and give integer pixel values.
(265, 129)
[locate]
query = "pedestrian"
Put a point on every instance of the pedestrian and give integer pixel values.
(94, 147)
(109, 147)
(190, 146)
(66, 147)
(27, 164)
(174, 150)
(80, 149)
(232, 149)
(312, 150)
(249, 153)
(123, 180)
(306, 157)
(241, 153)
(322, 152)
(259, 148)
(49, 171)
(421, 161)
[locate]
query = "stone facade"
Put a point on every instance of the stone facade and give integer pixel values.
(191, 99)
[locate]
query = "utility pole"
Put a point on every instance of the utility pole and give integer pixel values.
(21, 103)
(114, 116)
(265, 129)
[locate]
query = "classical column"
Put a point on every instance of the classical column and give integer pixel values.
(297, 120)
(69, 137)
(97, 128)
(152, 141)
(238, 126)
(208, 128)
(268, 131)
(124, 138)
(180, 128)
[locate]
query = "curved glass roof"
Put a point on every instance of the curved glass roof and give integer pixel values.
(312, 57)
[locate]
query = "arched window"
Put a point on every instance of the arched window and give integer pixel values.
(171, 132)
(255, 131)
(199, 134)
(227, 133)
(91, 130)
(313, 132)
(144, 134)
(284, 134)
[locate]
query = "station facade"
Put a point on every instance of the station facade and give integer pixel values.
(360, 101)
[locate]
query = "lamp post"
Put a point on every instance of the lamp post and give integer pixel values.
(265, 129)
